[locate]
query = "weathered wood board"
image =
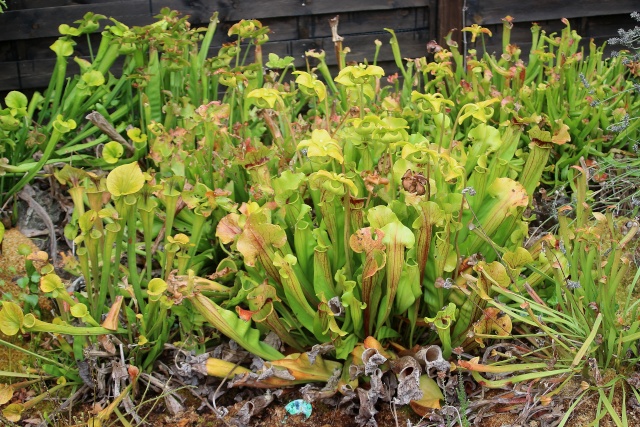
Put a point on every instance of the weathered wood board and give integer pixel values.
(592, 19)
(31, 26)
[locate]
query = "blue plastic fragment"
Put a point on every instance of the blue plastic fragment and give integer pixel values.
(299, 406)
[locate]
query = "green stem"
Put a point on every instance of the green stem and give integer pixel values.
(112, 230)
(123, 212)
(40, 326)
(347, 231)
(534, 166)
(146, 217)
(197, 227)
(517, 379)
(134, 279)
(51, 145)
(61, 71)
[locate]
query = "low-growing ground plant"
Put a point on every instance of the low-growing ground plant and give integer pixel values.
(576, 317)
(629, 40)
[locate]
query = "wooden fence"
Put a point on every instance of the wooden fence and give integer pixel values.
(592, 19)
(29, 27)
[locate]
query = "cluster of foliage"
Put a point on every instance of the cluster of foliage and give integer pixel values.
(318, 210)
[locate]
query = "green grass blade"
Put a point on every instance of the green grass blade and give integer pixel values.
(587, 342)
(571, 409)
(609, 407)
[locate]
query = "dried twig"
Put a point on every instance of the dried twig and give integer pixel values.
(219, 413)
(107, 128)
(27, 194)
(336, 39)
(67, 403)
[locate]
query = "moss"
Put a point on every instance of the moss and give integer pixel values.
(12, 262)
(13, 267)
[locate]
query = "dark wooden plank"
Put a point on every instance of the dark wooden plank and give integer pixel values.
(364, 22)
(44, 22)
(8, 51)
(298, 48)
(429, 15)
(600, 28)
(235, 10)
(9, 78)
(607, 26)
(412, 44)
(35, 4)
(486, 12)
(291, 35)
(307, 27)
(281, 29)
(34, 49)
(449, 18)
(37, 73)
